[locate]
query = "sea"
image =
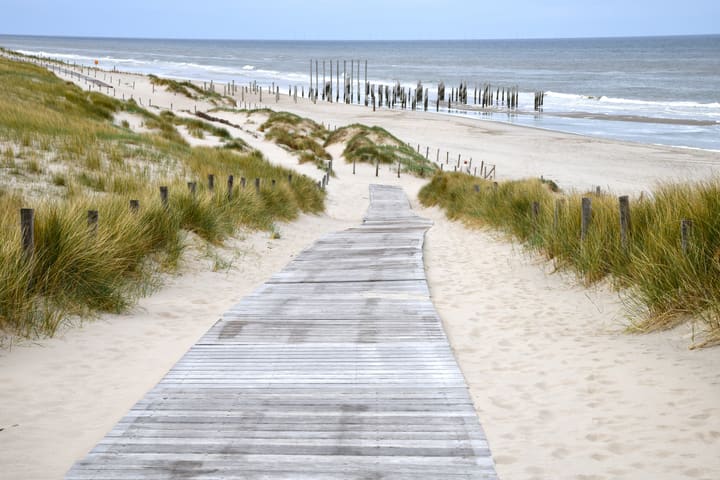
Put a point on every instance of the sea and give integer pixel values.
(652, 90)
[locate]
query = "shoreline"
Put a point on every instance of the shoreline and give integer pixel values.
(560, 391)
(612, 133)
(657, 163)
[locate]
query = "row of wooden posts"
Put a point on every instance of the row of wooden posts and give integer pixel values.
(27, 215)
(484, 95)
(686, 225)
(485, 170)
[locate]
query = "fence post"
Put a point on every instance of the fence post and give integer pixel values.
(477, 188)
(231, 180)
(377, 167)
(164, 196)
(27, 228)
(624, 202)
(92, 220)
(289, 177)
(686, 227)
(257, 185)
(211, 182)
(585, 217)
(242, 182)
(134, 206)
(192, 186)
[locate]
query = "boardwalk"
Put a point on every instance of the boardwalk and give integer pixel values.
(337, 368)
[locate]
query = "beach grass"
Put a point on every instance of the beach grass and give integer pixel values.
(663, 284)
(300, 135)
(375, 144)
(190, 90)
(71, 155)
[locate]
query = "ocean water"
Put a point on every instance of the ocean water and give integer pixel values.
(658, 90)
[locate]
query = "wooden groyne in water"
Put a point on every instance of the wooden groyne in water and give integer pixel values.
(351, 91)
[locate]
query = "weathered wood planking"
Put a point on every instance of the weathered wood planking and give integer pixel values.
(336, 368)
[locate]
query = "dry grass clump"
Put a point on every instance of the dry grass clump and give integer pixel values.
(665, 285)
(300, 135)
(190, 90)
(375, 144)
(92, 164)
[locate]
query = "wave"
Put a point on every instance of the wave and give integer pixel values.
(630, 101)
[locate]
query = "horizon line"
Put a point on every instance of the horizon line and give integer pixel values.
(91, 37)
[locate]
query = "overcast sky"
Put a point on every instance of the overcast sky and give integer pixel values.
(358, 20)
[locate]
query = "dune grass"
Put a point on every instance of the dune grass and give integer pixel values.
(190, 90)
(300, 135)
(81, 160)
(664, 285)
(375, 144)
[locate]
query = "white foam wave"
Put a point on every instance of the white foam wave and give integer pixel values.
(629, 101)
(556, 101)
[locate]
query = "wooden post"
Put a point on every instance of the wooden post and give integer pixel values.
(92, 220)
(398, 168)
(230, 182)
(624, 202)
(353, 166)
(377, 167)
(211, 182)
(272, 183)
(134, 206)
(27, 229)
(686, 227)
(257, 185)
(585, 218)
(164, 196)
(290, 174)
(535, 213)
(242, 182)
(192, 187)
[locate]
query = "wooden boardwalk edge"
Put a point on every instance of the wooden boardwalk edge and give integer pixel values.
(337, 368)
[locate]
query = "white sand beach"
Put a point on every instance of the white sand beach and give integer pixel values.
(561, 391)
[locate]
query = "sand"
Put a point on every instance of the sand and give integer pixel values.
(561, 392)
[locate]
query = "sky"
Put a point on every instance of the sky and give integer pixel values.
(359, 20)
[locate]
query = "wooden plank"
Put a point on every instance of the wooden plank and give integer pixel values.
(337, 368)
